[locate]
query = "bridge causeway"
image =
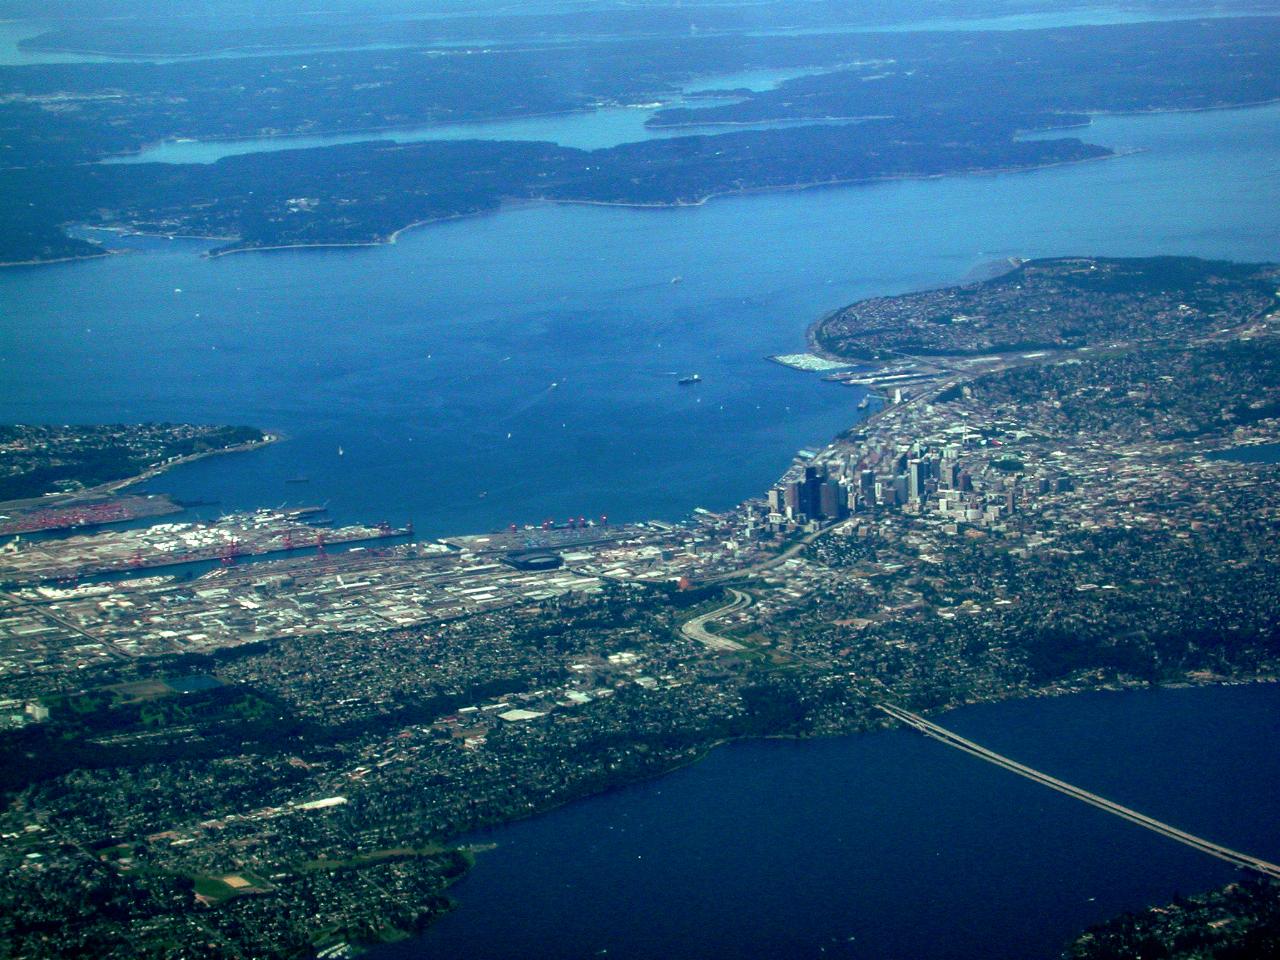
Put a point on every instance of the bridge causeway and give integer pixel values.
(944, 735)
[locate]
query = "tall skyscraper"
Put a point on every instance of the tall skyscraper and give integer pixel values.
(867, 488)
(828, 501)
(775, 500)
(811, 493)
(949, 474)
(791, 500)
(916, 475)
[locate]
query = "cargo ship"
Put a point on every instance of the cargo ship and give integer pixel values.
(687, 381)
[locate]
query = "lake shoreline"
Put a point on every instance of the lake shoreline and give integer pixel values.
(468, 840)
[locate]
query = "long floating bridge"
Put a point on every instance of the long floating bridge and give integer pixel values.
(1133, 816)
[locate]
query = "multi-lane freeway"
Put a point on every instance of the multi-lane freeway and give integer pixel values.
(696, 629)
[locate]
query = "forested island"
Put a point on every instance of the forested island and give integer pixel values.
(1032, 74)
(72, 112)
(365, 193)
(916, 105)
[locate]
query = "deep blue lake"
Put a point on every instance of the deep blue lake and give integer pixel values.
(1258, 453)
(885, 846)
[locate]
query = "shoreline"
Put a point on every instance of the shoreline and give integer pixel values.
(1152, 111)
(108, 159)
(391, 238)
(470, 839)
(112, 487)
(47, 263)
(797, 121)
(1113, 153)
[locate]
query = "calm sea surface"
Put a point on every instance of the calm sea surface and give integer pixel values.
(1260, 453)
(885, 846)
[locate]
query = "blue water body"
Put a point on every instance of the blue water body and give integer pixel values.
(588, 130)
(522, 366)
(748, 79)
(585, 130)
(431, 361)
(1257, 453)
(885, 845)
